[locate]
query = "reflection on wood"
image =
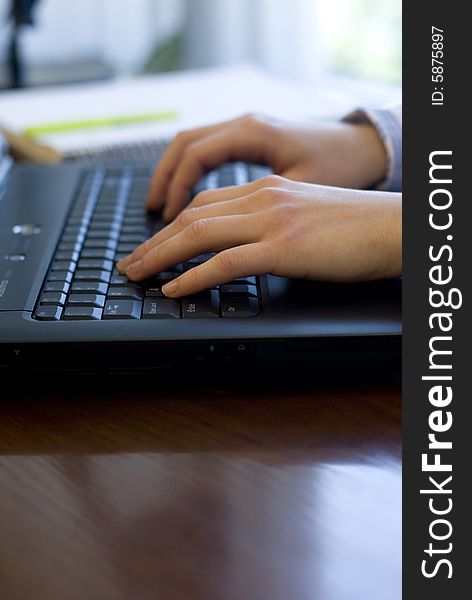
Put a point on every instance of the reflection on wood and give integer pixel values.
(277, 490)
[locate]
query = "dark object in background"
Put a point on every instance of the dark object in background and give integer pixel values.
(19, 75)
(21, 14)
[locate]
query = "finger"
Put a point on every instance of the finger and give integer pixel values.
(169, 160)
(244, 190)
(213, 196)
(240, 261)
(204, 235)
(203, 156)
(238, 206)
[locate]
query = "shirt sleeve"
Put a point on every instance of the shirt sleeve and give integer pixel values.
(388, 122)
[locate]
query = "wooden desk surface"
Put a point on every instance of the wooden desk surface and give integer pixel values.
(288, 489)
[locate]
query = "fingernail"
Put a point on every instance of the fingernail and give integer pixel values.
(134, 268)
(121, 266)
(169, 289)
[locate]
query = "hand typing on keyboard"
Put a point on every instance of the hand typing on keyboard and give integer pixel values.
(287, 225)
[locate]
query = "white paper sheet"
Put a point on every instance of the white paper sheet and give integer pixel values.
(199, 97)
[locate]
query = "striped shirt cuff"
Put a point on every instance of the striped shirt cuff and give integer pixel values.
(388, 123)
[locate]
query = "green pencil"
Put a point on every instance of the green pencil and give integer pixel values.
(35, 131)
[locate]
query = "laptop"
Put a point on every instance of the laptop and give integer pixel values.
(65, 308)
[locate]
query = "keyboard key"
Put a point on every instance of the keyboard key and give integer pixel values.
(136, 221)
(241, 173)
(134, 211)
(92, 275)
(81, 215)
(200, 187)
(244, 281)
(69, 247)
(122, 309)
(113, 180)
(109, 202)
(106, 223)
(239, 306)
(126, 247)
(74, 221)
(82, 313)
(130, 292)
(232, 174)
(48, 313)
(156, 308)
(97, 300)
(119, 280)
(108, 212)
(104, 243)
(68, 256)
(56, 298)
(63, 265)
(132, 238)
(121, 255)
(155, 290)
(163, 277)
(130, 230)
(95, 263)
(258, 171)
(74, 229)
(89, 287)
(60, 276)
(73, 237)
(57, 286)
(200, 258)
(155, 227)
(111, 234)
(98, 253)
(239, 290)
(194, 262)
(201, 306)
(211, 180)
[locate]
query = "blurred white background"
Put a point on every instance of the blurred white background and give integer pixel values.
(300, 39)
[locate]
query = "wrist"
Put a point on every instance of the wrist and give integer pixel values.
(387, 234)
(370, 152)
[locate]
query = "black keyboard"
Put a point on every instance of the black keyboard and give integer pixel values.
(107, 221)
(144, 151)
